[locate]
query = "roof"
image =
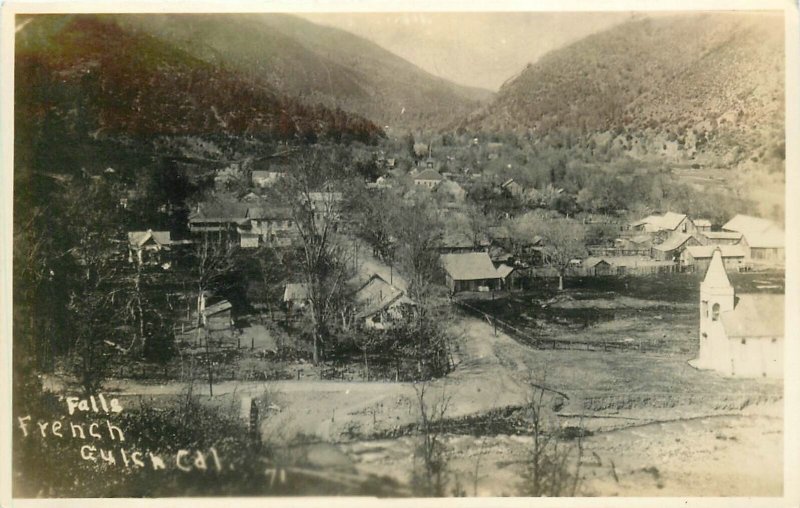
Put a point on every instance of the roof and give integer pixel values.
(429, 174)
(673, 242)
(769, 239)
(504, 271)
(716, 277)
(702, 223)
(669, 220)
(759, 233)
(377, 294)
(469, 266)
(217, 308)
(223, 211)
(706, 251)
(592, 262)
(295, 291)
(748, 224)
(755, 315)
(722, 235)
(627, 261)
(139, 238)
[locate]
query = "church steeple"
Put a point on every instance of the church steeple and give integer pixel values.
(716, 276)
(716, 297)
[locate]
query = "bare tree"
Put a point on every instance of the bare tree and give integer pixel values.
(325, 257)
(430, 475)
(418, 229)
(553, 464)
(213, 261)
(565, 241)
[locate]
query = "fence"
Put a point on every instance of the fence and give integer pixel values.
(595, 250)
(529, 339)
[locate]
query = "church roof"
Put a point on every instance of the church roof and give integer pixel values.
(716, 277)
(755, 315)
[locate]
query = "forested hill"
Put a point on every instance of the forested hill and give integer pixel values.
(686, 87)
(87, 75)
(316, 64)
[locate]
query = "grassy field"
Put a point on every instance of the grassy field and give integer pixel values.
(655, 313)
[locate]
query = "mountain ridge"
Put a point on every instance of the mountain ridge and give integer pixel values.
(683, 87)
(317, 64)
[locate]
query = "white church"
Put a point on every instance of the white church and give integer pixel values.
(740, 334)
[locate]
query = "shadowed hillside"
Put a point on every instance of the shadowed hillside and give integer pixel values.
(92, 76)
(316, 64)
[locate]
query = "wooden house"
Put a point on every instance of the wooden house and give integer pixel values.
(470, 271)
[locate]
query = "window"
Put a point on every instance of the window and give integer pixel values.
(715, 312)
(704, 309)
(744, 341)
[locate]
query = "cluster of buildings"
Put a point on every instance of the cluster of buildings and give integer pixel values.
(745, 242)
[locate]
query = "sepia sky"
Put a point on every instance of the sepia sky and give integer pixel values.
(476, 49)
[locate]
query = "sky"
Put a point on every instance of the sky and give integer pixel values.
(476, 48)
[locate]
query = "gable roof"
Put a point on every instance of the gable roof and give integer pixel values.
(747, 224)
(722, 235)
(759, 233)
(217, 308)
(706, 251)
(504, 271)
(376, 295)
(673, 242)
(755, 315)
(139, 238)
(429, 174)
(769, 239)
(669, 220)
(223, 211)
(469, 266)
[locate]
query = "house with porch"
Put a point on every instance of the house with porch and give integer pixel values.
(148, 247)
(470, 271)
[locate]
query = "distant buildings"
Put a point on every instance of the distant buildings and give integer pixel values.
(672, 247)
(429, 178)
(764, 239)
(699, 256)
(740, 334)
(669, 222)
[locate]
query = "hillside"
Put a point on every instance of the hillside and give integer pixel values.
(98, 78)
(706, 88)
(316, 64)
